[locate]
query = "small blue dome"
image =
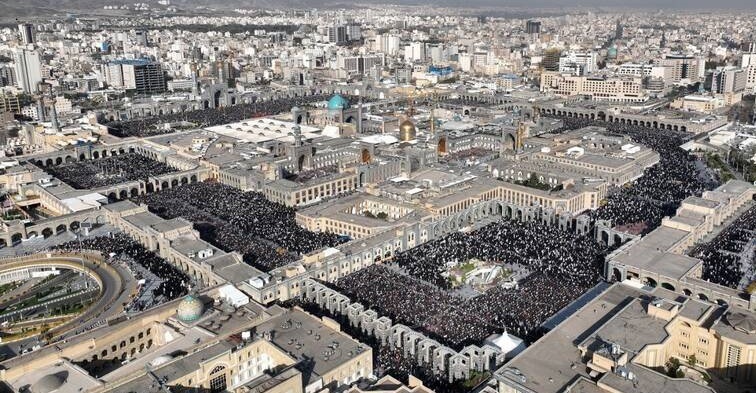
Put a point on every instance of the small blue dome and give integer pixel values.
(337, 102)
(190, 309)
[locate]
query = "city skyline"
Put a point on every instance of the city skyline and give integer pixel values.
(308, 197)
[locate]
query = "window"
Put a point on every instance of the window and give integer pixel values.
(218, 384)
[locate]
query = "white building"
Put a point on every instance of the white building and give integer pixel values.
(28, 69)
(615, 89)
(578, 63)
(748, 63)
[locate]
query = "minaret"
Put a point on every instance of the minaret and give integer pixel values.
(41, 109)
(194, 80)
(432, 122)
(359, 116)
(432, 116)
(55, 124)
(297, 131)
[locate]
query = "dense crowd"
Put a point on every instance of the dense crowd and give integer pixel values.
(264, 232)
(662, 187)
(174, 282)
(151, 126)
(660, 190)
(473, 152)
(729, 256)
(307, 175)
(389, 360)
(412, 290)
(108, 171)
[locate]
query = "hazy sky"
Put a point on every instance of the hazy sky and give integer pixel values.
(678, 4)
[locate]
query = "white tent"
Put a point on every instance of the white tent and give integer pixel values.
(233, 296)
(507, 344)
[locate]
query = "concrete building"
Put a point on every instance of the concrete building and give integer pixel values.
(578, 63)
(683, 68)
(26, 30)
(615, 89)
(143, 76)
(28, 69)
(727, 80)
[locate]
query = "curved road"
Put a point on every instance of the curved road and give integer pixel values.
(116, 286)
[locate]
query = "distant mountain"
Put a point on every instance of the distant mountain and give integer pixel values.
(30, 8)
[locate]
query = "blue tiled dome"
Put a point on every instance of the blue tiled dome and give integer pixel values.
(190, 309)
(337, 102)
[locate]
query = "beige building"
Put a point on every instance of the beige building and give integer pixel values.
(616, 89)
(246, 349)
(698, 103)
(614, 342)
(389, 384)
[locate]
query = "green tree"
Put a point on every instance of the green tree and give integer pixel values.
(673, 368)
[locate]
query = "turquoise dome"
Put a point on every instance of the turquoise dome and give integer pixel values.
(337, 102)
(190, 309)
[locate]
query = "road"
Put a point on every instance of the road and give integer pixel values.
(116, 285)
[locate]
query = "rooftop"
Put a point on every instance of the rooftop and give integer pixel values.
(306, 338)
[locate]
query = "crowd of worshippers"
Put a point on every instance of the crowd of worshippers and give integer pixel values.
(175, 283)
(386, 359)
(461, 101)
(264, 232)
(413, 290)
(662, 187)
(208, 117)
(392, 361)
(307, 175)
(471, 153)
(728, 256)
(108, 171)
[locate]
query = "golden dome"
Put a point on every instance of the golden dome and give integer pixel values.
(407, 131)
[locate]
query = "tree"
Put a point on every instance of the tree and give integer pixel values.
(692, 361)
(673, 368)
(382, 215)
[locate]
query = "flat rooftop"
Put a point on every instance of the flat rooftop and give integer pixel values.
(553, 362)
(304, 336)
(633, 328)
(649, 381)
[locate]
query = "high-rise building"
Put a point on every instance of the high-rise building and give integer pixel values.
(9, 103)
(533, 27)
(140, 37)
(144, 76)
(27, 33)
(7, 76)
(748, 63)
(387, 43)
(353, 32)
(723, 80)
(337, 34)
(28, 69)
(550, 60)
(618, 31)
(578, 63)
(361, 64)
(684, 69)
(415, 51)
